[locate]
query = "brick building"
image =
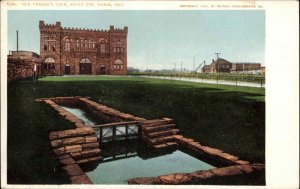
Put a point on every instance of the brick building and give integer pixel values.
(245, 66)
(69, 51)
(223, 66)
(220, 65)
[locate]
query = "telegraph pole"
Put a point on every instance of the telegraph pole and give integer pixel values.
(17, 40)
(193, 63)
(218, 66)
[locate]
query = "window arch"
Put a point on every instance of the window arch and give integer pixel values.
(118, 64)
(85, 61)
(118, 61)
(102, 46)
(49, 60)
(49, 64)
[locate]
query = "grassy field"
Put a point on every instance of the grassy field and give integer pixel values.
(226, 117)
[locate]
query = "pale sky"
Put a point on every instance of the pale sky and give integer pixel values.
(159, 39)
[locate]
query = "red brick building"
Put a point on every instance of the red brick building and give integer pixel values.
(69, 51)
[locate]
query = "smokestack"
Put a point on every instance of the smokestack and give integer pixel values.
(17, 40)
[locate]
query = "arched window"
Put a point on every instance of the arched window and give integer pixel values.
(118, 64)
(85, 61)
(102, 46)
(85, 44)
(81, 44)
(77, 43)
(49, 63)
(49, 60)
(67, 47)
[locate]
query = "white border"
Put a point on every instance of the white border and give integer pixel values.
(282, 83)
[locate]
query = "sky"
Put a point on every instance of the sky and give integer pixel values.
(158, 39)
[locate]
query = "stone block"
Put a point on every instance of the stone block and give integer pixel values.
(73, 141)
(211, 151)
(85, 131)
(90, 139)
(75, 155)
(56, 143)
(98, 158)
(90, 145)
(228, 157)
(59, 151)
(67, 161)
(80, 179)
(82, 161)
(258, 166)
(246, 168)
(177, 137)
(53, 135)
(227, 171)
(90, 153)
(64, 156)
(73, 148)
(178, 178)
(73, 169)
(202, 175)
(147, 180)
(242, 162)
(67, 133)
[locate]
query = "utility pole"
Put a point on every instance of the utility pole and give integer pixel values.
(218, 66)
(175, 67)
(218, 61)
(17, 40)
(193, 63)
(181, 67)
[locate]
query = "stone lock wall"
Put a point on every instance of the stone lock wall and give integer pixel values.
(80, 145)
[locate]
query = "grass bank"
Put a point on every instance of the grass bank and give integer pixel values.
(226, 117)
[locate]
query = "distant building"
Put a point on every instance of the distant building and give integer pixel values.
(224, 66)
(220, 66)
(244, 67)
(205, 69)
(263, 70)
(73, 51)
(133, 70)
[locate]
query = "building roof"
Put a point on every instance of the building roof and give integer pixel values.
(220, 61)
(23, 54)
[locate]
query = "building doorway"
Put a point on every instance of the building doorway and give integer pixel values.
(85, 66)
(102, 70)
(67, 69)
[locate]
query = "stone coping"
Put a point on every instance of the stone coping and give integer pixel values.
(198, 176)
(210, 152)
(94, 105)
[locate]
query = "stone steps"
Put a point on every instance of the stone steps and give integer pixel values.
(156, 122)
(162, 133)
(165, 145)
(161, 140)
(159, 128)
(158, 133)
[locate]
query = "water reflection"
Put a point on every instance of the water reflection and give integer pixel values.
(124, 160)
